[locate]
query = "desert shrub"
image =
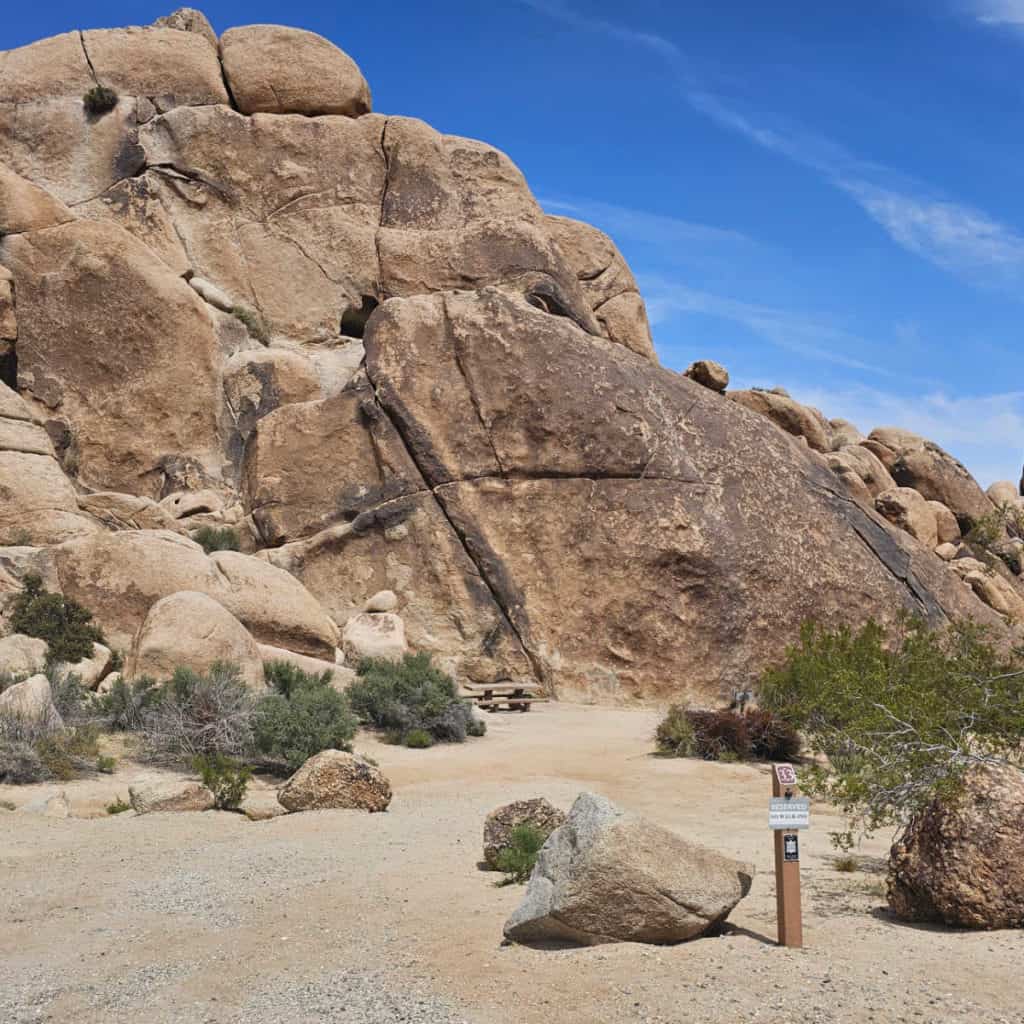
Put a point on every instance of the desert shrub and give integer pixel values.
(288, 730)
(284, 677)
(119, 806)
(123, 707)
(225, 777)
(20, 764)
(846, 864)
(199, 714)
(72, 701)
(8, 805)
(720, 735)
(517, 859)
(213, 538)
(674, 736)
(418, 739)
(106, 765)
(67, 754)
(399, 697)
(99, 100)
(771, 737)
(900, 714)
(64, 624)
(254, 323)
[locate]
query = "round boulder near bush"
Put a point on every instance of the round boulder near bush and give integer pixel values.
(336, 779)
(960, 862)
(501, 822)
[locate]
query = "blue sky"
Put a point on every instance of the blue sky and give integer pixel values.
(820, 195)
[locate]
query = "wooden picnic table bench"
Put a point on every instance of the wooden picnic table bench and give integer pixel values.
(517, 696)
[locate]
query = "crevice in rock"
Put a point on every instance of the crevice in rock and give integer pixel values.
(227, 85)
(281, 236)
(9, 364)
(604, 302)
(189, 175)
(353, 320)
(88, 59)
(382, 295)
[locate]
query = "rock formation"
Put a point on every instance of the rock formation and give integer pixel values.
(237, 298)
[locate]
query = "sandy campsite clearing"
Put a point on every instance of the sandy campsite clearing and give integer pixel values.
(343, 916)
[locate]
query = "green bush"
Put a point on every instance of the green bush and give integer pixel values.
(398, 697)
(516, 861)
(288, 730)
(674, 736)
(254, 323)
(213, 538)
(900, 715)
(418, 739)
(284, 678)
(123, 707)
(67, 754)
(199, 714)
(20, 763)
(106, 765)
(64, 624)
(226, 778)
(118, 806)
(99, 100)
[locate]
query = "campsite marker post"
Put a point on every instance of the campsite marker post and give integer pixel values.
(787, 812)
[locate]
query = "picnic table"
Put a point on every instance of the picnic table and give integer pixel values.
(491, 696)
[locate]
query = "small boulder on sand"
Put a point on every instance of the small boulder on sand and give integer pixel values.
(335, 779)
(502, 821)
(170, 796)
(609, 876)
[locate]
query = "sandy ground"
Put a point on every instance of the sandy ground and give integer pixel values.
(343, 916)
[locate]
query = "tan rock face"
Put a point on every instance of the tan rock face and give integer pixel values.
(31, 701)
(374, 635)
(191, 630)
(959, 863)
(608, 284)
(866, 465)
(26, 207)
(503, 821)
(170, 796)
(126, 511)
(188, 19)
(278, 70)
(794, 418)
(607, 876)
(709, 373)
(334, 779)
(906, 509)
(22, 655)
(947, 527)
(1002, 492)
(134, 390)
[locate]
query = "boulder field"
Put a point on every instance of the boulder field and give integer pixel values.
(234, 298)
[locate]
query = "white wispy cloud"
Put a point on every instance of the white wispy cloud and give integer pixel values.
(812, 336)
(955, 237)
(642, 225)
(983, 431)
(997, 12)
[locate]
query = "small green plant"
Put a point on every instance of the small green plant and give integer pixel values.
(99, 100)
(106, 765)
(21, 538)
(847, 864)
(418, 739)
(400, 696)
(674, 736)
(253, 322)
(213, 538)
(64, 624)
(225, 777)
(116, 663)
(516, 861)
(118, 806)
(285, 678)
(65, 755)
(125, 704)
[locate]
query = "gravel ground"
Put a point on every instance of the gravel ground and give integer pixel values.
(346, 917)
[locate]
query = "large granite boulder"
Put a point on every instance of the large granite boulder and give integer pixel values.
(22, 655)
(192, 630)
(960, 862)
(905, 508)
(32, 702)
(609, 876)
(277, 70)
(336, 780)
(794, 418)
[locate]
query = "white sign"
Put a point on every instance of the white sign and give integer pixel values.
(786, 814)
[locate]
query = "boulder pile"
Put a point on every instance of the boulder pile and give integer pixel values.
(264, 348)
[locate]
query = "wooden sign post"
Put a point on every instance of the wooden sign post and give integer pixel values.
(787, 813)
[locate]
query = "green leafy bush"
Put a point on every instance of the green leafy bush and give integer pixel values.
(399, 697)
(199, 714)
(64, 624)
(284, 677)
(123, 707)
(225, 777)
(516, 861)
(67, 754)
(213, 538)
(118, 806)
(99, 100)
(288, 730)
(418, 739)
(106, 765)
(899, 714)
(674, 736)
